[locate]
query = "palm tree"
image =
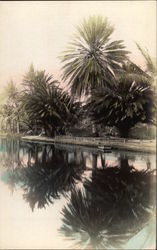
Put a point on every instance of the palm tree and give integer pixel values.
(92, 60)
(47, 104)
(150, 64)
(37, 87)
(132, 100)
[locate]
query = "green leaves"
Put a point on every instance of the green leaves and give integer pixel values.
(44, 101)
(92, 59)
(131, 100)
(150, 64)
(10, 110)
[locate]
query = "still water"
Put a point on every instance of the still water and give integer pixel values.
(66, 197)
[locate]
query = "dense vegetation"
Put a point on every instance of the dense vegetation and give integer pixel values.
(129, 102)
(115, 91)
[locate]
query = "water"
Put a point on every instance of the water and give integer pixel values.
(65, 197)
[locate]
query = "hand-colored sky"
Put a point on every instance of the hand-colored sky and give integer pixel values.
(37, 32)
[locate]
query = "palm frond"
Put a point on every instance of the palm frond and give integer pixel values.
(92, 59)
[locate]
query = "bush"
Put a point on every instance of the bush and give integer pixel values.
(143, 131)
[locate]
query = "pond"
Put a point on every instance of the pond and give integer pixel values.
(70, 197)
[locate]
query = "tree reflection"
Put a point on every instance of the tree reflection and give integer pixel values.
(115, 204)
(47, 177)
(9, 153)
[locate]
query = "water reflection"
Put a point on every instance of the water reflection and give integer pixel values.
(54, 173)
(116, 203)
(110, 197)
(9, 153)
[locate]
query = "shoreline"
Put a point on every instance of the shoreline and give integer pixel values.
(148, 146)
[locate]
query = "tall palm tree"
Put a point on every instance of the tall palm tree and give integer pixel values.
(92, 59)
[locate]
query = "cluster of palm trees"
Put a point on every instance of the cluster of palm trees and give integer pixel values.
(116, 92)
(47, 104)
(41, 104)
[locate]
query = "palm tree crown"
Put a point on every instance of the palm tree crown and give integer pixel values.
(132, 100)
(92, 59)
(47, 103)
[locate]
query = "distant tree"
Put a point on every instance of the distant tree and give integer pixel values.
(10, 109)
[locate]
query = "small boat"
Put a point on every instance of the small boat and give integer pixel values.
(105, 148)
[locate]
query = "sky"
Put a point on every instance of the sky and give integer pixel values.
(37, 32)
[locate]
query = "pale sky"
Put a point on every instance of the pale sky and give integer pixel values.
(37, 32)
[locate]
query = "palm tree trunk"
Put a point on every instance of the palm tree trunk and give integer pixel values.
(94, 127)
(124, 131)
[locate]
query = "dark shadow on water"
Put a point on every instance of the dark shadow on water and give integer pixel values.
(116, 203)
(48, 174)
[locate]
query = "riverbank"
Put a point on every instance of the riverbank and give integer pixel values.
(11, 136)
(115, 143)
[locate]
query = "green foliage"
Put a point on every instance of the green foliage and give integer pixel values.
(119, 92)
(11, 90)
(143, 131)
(2, 97)
(46, 104)
(10, 109)
(92, 59)
(132, 100)
(150, 65)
